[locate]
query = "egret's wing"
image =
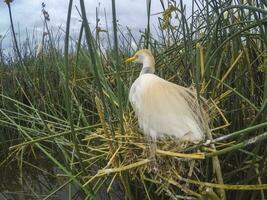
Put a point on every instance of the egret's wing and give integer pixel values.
(165, 108)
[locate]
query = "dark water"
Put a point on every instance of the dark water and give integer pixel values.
(35, 179)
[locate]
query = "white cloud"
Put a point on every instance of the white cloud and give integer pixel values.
(27, 14)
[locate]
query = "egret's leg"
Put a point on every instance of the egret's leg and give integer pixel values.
(153, 150)
(153, 144)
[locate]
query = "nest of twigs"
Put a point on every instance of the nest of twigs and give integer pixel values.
(129, 151)
(178, 169)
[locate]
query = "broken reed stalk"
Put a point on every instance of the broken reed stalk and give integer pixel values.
(240, 145)
(240, 132)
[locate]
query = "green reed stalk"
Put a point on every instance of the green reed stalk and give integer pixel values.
(124, 178)
(238, 94)
(148, 5)
(265, 82)
(13, 31)
(241, 132)
(68, 95)
(118, 69)
(240, 145)
(54, 160)
(90, 44)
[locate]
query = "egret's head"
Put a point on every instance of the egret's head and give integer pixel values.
(143, 56)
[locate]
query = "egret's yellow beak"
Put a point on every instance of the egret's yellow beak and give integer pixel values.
(131, 59)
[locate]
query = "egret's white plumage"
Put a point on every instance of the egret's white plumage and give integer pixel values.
(162, 107)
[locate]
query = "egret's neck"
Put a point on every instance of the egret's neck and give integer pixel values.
(148, 67)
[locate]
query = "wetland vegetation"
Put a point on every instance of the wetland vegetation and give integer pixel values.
(68, 131)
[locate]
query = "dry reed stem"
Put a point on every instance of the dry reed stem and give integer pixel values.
(103, 172)
(217, 168)
(225, 186)
(175, 154)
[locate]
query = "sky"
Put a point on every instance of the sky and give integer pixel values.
(27, 14)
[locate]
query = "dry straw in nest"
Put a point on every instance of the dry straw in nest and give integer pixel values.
(129, 151)
(179, 165)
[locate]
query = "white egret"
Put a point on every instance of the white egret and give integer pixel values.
(164, 108)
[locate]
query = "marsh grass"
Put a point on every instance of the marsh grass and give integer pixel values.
(71, 107)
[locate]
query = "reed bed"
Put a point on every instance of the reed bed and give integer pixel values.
(65, 114)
